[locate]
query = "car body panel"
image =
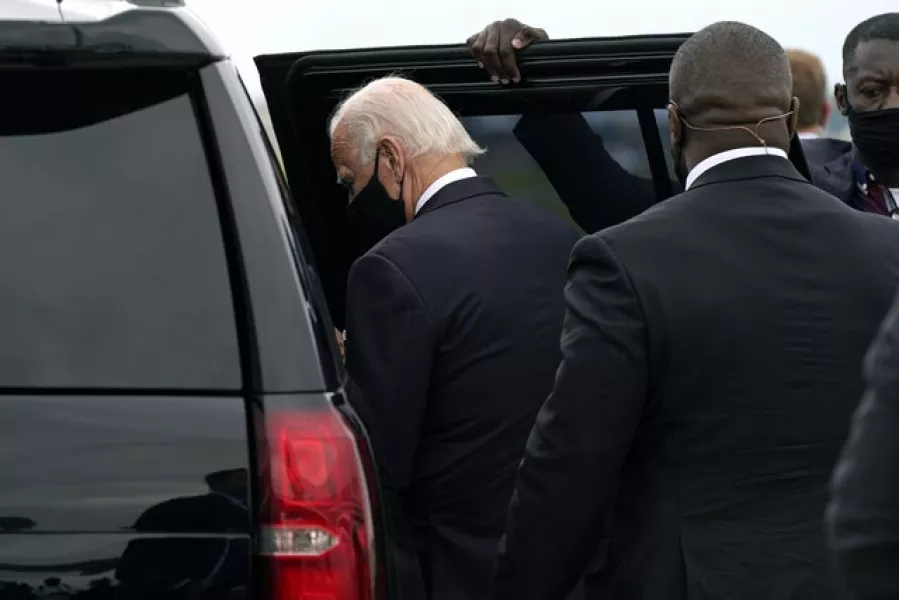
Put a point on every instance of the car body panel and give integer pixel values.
(123, 495)
(136, 478)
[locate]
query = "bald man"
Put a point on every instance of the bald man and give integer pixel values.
(710, 363)
(452, 329)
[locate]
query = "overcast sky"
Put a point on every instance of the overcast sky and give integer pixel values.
(251, 27)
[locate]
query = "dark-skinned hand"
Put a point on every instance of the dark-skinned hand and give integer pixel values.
(494, 47)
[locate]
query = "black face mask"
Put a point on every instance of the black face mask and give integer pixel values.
(876, 135)
(372, 215)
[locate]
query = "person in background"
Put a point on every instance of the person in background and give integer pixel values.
(810, 86)
(863, 516)
(865, 176)
(710, 363)
(452, 329)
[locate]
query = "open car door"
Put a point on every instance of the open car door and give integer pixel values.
(587, 110)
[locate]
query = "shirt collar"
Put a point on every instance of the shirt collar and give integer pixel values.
(442, 182)
(809, 135)
(729, 155)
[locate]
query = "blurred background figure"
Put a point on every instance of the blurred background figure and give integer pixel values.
(863, 516)
(810, 86)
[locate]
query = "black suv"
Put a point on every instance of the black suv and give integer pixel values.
(172, 416)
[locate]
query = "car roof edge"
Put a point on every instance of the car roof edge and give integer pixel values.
(134, 30)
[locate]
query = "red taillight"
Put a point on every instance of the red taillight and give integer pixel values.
(317, 529)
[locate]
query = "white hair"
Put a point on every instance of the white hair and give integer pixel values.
(406, 110)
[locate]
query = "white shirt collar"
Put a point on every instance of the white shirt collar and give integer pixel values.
(809, 135)
(728, 155)
(442, 182)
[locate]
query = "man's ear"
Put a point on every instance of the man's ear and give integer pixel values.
(825, 114)
(385, 147)
(793, 119)
(841, 97)
(395, 160)
(675, 126)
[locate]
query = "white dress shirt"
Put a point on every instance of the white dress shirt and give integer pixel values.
(728, 155)
(809, 135)
(442, 182)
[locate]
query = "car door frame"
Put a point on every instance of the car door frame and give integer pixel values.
(298, 86)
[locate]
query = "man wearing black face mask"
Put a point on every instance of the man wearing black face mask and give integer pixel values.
(711, 353)
(372, 214)
(867, 175)
(452, 329)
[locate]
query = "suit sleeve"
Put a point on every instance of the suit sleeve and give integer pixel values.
(582, 435)
(863, 516)
(389, 349)
(597, 190)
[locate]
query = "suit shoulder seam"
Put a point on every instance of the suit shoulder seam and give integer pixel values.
(610, 249)
(416, 293)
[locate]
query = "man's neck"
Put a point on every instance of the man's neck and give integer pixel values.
(441, 182)
(713, 160)
(809, 133)
(429, 169)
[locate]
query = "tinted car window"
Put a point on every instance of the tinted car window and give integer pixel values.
(113, 269)
(509, 162)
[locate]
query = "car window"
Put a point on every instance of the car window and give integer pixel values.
(510, 163)
(113, 267)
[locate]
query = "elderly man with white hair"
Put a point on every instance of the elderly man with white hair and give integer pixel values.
(453, 321)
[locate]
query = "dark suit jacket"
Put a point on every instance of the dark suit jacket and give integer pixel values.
(863, 516)
(838, 177)
(452, 336)
(711, 353)
(820, 151)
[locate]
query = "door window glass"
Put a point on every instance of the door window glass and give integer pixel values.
(566, 162)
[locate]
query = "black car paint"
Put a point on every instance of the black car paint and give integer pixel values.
(108, 494)
(143, 488)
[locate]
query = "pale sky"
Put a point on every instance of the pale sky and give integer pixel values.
(251, 27)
